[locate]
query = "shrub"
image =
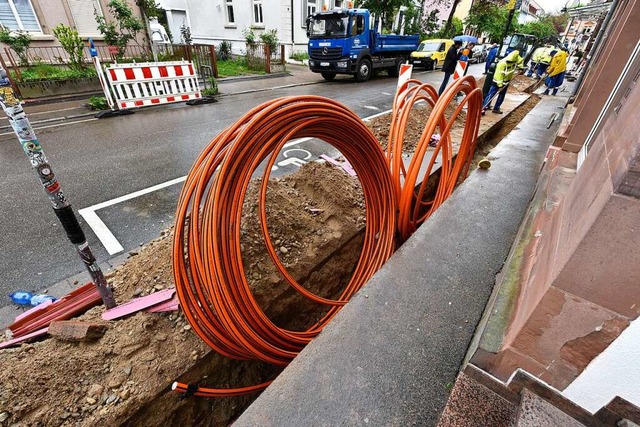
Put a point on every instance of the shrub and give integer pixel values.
(249, 37)
(270, 38)
(123, 30)
(52, 72)
(72, 44)
(299, 56)
(19, 41)
(224, 50)
(98, 103)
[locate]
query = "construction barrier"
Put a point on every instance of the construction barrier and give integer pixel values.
(152, 83)
(461, 69)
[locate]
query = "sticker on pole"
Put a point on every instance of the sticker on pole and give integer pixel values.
(405, 75)
(461, 69)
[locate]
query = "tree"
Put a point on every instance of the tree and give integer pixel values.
(560, 22)
(385, 9)
(125, 28)
(487, 17)
(542, 28)
(72, 44)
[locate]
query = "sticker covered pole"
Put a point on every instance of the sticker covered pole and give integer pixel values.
(61, 206)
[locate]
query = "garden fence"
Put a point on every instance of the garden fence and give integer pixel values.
(259, 56)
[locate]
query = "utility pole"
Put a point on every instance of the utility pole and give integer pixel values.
(61, 206)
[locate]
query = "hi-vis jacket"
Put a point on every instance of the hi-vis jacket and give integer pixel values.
(558, 64)
(542, 55)
(506, 67)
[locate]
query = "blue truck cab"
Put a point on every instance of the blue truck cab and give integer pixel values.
(341, 41)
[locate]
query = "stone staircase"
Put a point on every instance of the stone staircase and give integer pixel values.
(478, 399)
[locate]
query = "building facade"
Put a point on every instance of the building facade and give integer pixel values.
(211, 22)
(39, 17)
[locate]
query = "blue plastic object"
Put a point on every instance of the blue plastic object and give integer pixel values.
(40, 298)
(21, 297)
(92, 48)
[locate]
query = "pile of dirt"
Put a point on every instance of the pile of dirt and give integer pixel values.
(418, 117)
(312, 214)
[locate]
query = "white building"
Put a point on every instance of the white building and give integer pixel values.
(529, 11)
(212, 21)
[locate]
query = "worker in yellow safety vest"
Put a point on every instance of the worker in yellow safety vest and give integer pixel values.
(540, 61)
(504, 73)
(556, 71)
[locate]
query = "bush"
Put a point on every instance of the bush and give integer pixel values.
(224, 50)
(19, 41)
(72, 44)
(299, 56)
(98, 103)
(212, 89)
(249, 37)
(270, 38)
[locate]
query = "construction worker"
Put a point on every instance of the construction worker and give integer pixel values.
(556, 71)
(504, 73)
(539, 61)
(493, 52)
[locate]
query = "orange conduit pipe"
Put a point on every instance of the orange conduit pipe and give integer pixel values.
(206, 258)
(413, 210)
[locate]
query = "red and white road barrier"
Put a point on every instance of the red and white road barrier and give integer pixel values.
(461, 69)
(152, 83)
(404, 75)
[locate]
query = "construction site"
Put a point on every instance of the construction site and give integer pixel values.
(440, 266)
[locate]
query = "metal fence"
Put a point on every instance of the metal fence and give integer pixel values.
(259, 56)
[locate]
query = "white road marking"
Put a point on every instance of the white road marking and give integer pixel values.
(111, 243)
(54, 126)
(371, 107)
(386, 93)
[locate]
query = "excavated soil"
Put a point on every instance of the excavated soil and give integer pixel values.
(312, 214)
(418, 117)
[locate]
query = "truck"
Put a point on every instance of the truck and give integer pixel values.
(342, 41)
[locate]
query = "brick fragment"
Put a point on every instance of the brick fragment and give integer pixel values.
(76, 331)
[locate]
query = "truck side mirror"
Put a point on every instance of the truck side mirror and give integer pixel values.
(308, 21)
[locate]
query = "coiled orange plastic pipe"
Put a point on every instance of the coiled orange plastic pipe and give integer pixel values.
(207, 263)
(206, 257)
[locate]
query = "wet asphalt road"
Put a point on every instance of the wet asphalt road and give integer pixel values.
(100, 160)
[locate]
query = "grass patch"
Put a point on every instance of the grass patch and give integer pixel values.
(52, 72)
(299, 56)
(236, 67)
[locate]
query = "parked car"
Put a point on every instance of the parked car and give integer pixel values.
(479, 54)
(430, 53)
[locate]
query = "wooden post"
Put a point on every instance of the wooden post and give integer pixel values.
(13, 84)
(282, 54)
(214, 60)
(267, 62)
(188, 48)
(13, 64)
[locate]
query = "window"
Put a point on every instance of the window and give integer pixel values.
(82, 12)
(310, 7)
(257, 12)
(231, 19)
(19, 15)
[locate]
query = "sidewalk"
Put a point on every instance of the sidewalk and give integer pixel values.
(392, 354)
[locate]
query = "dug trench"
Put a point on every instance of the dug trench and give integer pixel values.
(316, 220)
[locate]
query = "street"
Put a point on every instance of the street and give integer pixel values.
(123, 175)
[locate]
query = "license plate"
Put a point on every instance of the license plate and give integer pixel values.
(324, 64)
(417, 62)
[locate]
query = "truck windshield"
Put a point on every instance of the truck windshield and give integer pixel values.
(332, 26)
(428, 47)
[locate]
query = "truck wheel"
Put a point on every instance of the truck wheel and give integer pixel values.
(432, 65)
(328, 76)
(364, 71)
(395, 70)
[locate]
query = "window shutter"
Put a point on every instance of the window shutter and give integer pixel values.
(6, 16)
(27, 15)
(83, 17)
